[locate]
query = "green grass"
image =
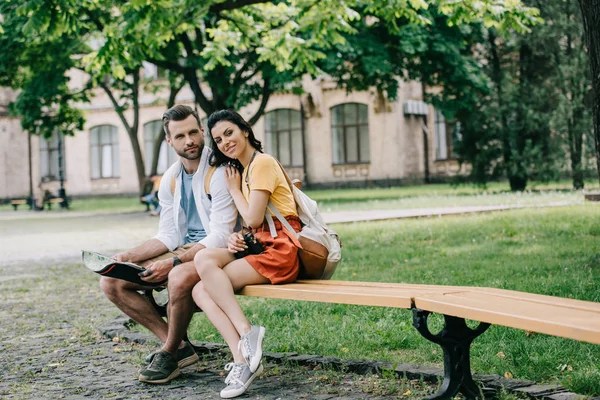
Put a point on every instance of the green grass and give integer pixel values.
(445, 195)
(95, 204)
(435, 195)
(549, 251)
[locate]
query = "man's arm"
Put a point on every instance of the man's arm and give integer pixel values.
(150, 249)
(223, 213)
(167, 231)
(158, 271)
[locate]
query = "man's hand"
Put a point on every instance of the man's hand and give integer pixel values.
(122, 257)
(157, 271)
(236, 242)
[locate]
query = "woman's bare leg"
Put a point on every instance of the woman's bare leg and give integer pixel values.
(219, 320)
(221, 279)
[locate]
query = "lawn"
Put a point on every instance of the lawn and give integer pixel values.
(548, 251)
(416, 196)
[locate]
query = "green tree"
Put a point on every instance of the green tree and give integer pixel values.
(534, 102)
(572, 118)
(230, 52)
(590, 10)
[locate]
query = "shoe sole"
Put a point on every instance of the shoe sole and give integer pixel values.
(258, 356)
(173, 375)
(255, 375)
(188, 361)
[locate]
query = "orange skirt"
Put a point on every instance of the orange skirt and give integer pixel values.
(279, 261)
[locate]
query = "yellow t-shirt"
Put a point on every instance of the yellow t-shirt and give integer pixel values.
(265, 174)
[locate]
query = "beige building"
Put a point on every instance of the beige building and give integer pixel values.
(344, 139)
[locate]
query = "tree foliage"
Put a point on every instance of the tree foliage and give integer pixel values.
(533, 103)
(590, 11)
(229, 52)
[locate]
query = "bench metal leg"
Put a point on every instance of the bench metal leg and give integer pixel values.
(455, 339)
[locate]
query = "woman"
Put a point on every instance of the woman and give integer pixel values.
(262, 181)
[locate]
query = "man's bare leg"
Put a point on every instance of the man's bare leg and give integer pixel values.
(124, 295)
(180, 308)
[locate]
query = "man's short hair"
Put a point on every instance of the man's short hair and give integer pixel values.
(178, 113)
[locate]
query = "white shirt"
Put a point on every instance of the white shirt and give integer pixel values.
(218, 216)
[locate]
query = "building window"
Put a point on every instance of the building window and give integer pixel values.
(166, 155)
(49, 157)
(446, 133)
(105, 152)
(441, 144)
(350, 133)
(283, 133)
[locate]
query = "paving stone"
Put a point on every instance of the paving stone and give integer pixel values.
(566, 396)
(540, 390)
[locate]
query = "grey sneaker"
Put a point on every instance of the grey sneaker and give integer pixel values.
(162, 369)
(185, 356)
(239, 379)
(251, 346)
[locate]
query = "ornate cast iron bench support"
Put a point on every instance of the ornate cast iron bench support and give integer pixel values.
(455, 339)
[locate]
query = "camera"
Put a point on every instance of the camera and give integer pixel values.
(254, 246)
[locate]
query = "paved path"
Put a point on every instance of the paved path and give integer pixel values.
(62, 235)
(50, 348)
(374, 215)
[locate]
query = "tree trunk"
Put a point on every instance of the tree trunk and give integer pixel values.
(175, 88)
(590, 11)
(132, 130)
(576, 146)
(517, 183)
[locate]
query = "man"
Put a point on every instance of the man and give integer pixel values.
(190, 220)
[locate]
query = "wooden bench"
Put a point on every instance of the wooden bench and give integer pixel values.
(568, 318)
(54, 200)
(18, 202)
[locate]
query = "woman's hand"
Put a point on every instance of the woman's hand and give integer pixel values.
(233, 178)
(236, 242)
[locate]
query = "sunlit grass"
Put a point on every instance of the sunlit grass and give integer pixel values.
(416, 196)
(548, 251)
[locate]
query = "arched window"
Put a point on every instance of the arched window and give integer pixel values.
(350, 133)
(105, 152)
(166, 156)
(49, 155)
(283, 133)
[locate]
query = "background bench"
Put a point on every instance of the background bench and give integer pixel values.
(54, 200)
(17, 202)
(568, 318)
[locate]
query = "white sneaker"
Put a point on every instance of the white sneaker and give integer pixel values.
(239, 379)
(251, 346)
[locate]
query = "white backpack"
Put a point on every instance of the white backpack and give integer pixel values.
(321, 246)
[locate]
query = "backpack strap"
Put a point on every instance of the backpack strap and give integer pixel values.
(209, 174)
(287, 177)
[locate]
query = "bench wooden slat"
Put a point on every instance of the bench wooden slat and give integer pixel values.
(384, 285)
(543, 299)
(527, 314)
(325, 294)
(539, 298)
